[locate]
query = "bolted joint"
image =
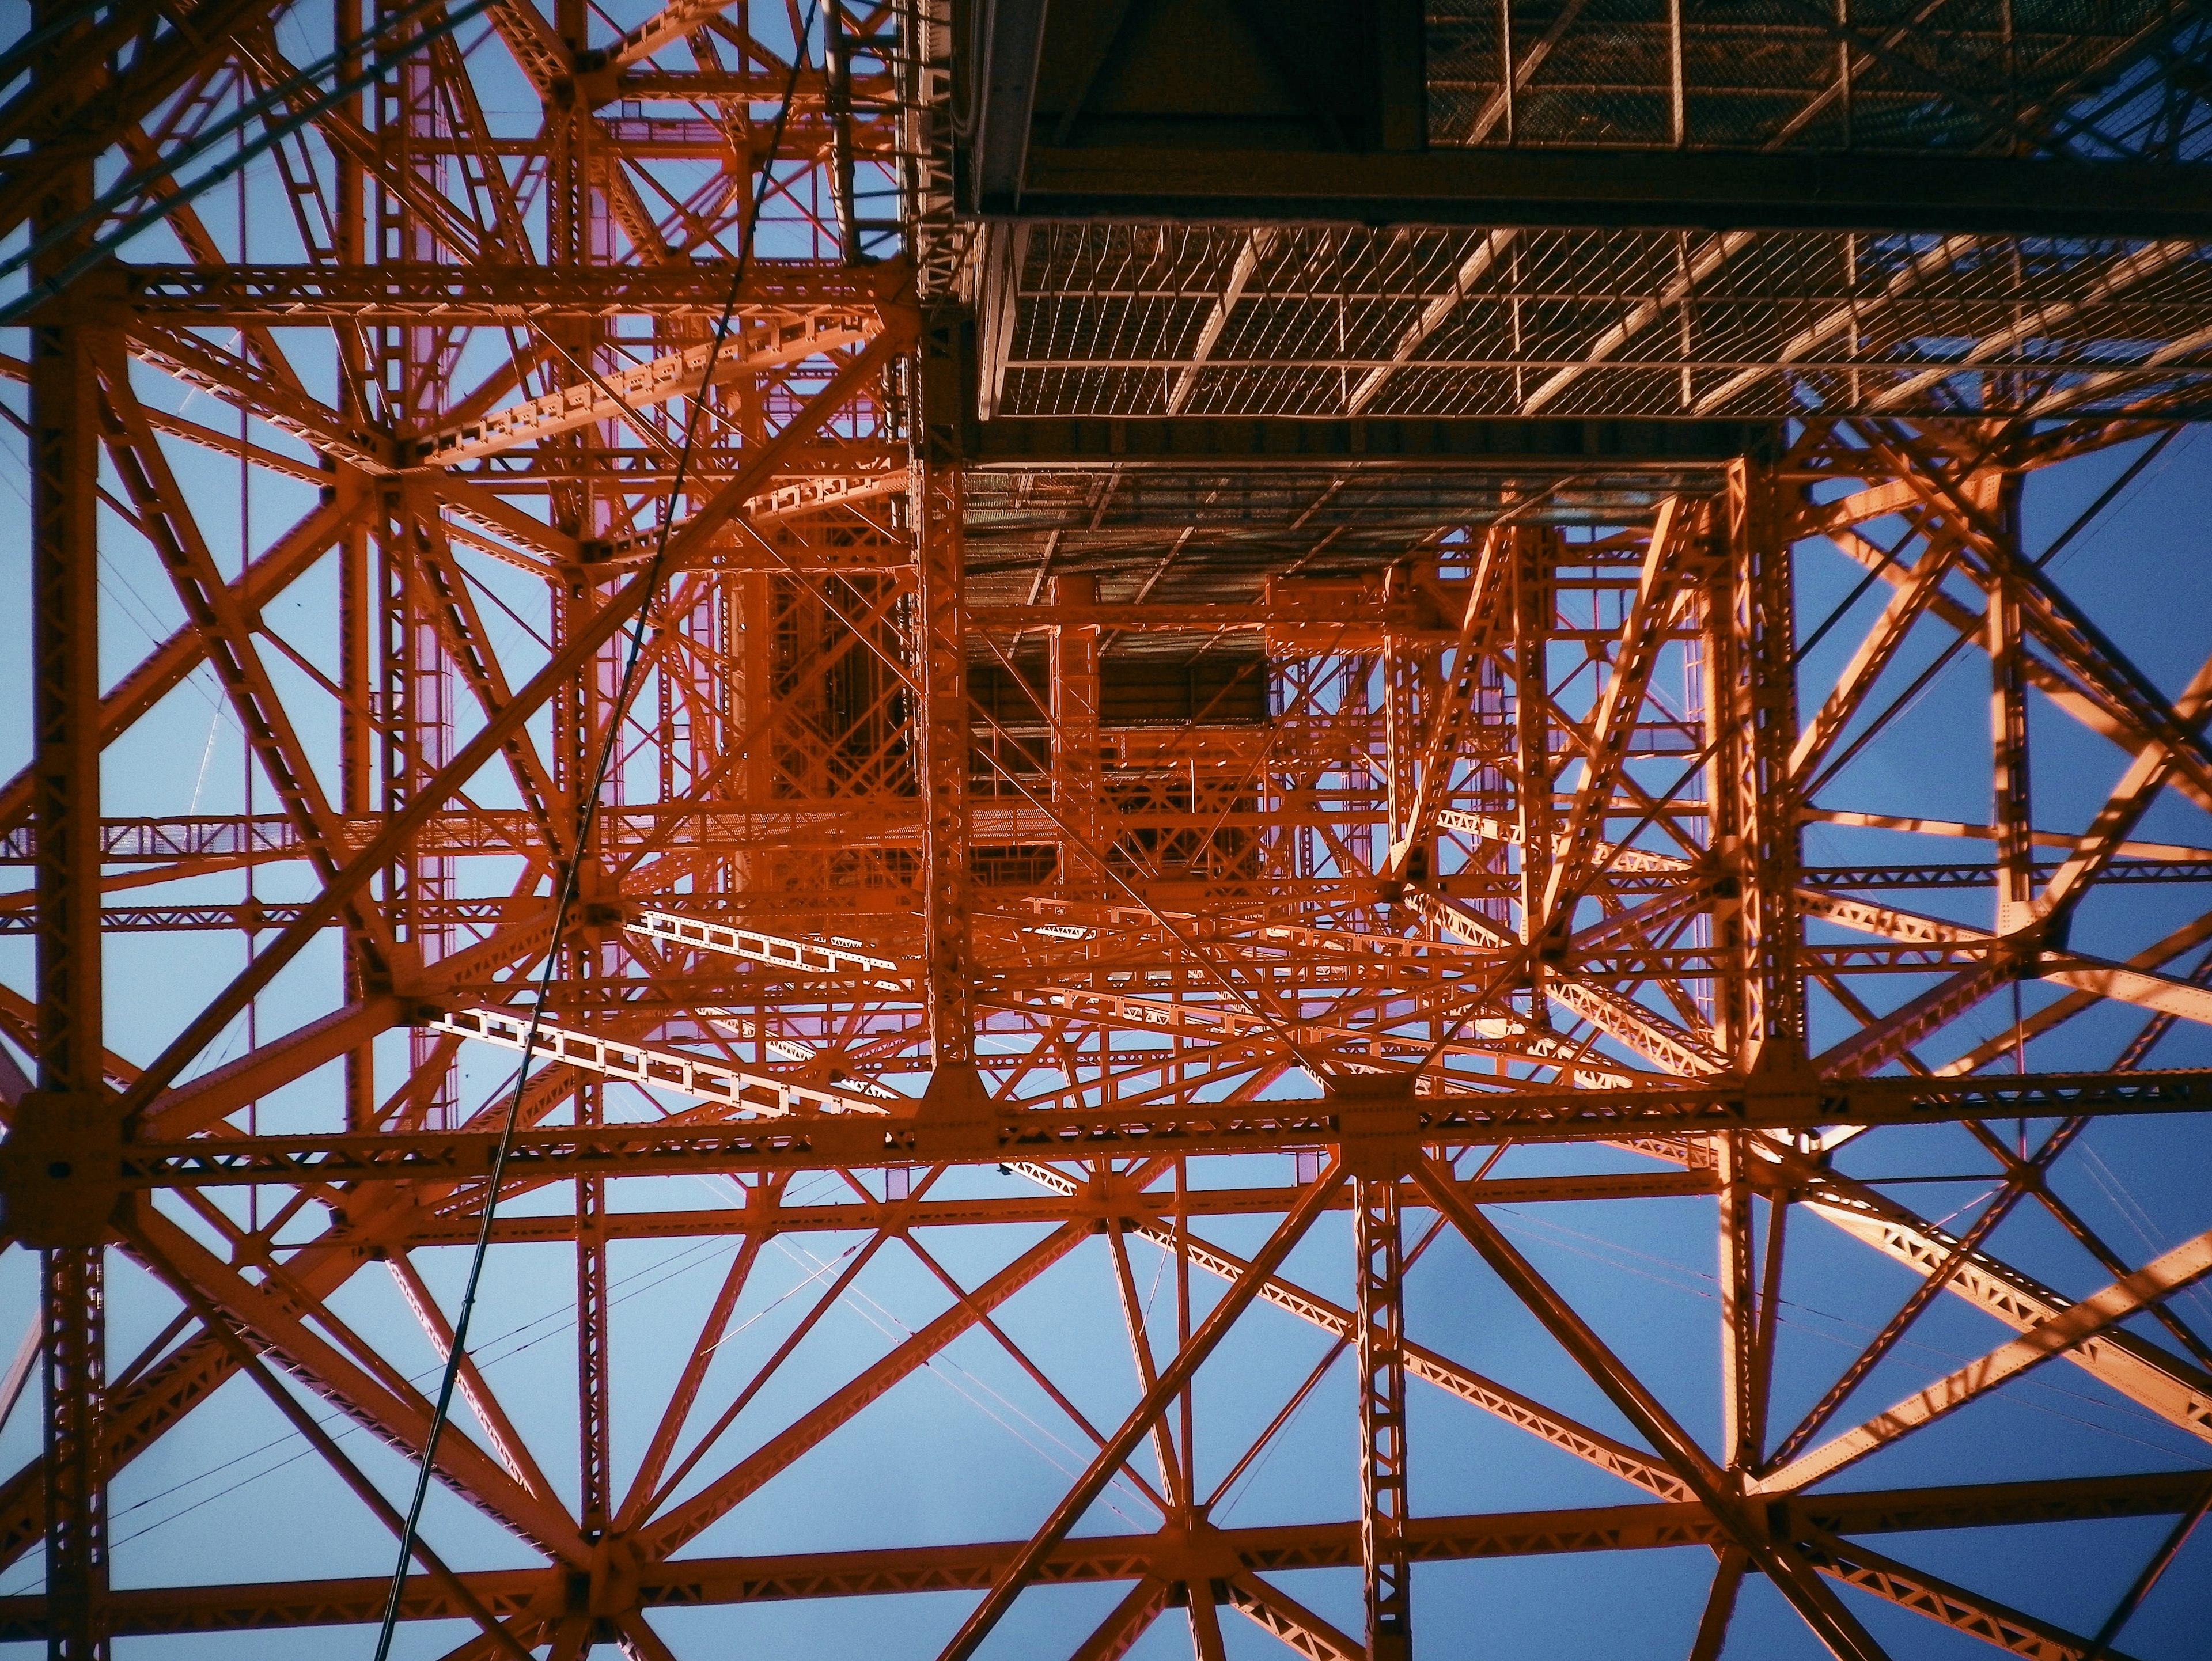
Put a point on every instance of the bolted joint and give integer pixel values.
(1554, 946)
(598, 902)
(99, 298)
(594, 883)
(61, 1168)
(1384, 1158)
(611, 1589)
(399, 972)
(2029, 953)
(1784, 1526)
(955, 1118)
(1724, 868)
(2057, 929)
(595, 83)
(1378, 1121)
(2038, 946)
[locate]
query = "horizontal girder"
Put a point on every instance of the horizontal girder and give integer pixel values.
(831, 1144)
(151, 1610)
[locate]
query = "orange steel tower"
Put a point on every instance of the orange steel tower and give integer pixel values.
(1295, 722)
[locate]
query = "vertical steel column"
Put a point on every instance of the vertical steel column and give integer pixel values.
(1750, 713)
(416, 360)
(1079, 782)
(595, 1362)
(1533, 555)
(356, 772)
(1357, 710)
(65, 681)
(585, 714)
(394, 735)
(837, 105)
(753, 717)
(68, 1105)
(2016, 849)
(578, 232)
(1382, 1354)
(1430, 691)
(356, 728)
(1743, 1399)
(418, 711)
(1758, 1002)
(74, 1289)
(1403, 664)
(413, 364)
(584, 711)
(941, 733)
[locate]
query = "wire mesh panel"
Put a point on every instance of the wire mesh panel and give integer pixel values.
(2053, 77)
(1320, 321)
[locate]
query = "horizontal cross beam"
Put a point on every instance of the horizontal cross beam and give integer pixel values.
(1205, 1554)
(619, 1150)
(1647, 190)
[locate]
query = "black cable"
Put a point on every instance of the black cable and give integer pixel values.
(587, 809)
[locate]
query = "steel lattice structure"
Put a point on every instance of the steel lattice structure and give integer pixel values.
(1247, 687)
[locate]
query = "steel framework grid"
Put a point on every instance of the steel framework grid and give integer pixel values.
(1218, 842)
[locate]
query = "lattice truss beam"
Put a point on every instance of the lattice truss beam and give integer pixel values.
(1080, 934)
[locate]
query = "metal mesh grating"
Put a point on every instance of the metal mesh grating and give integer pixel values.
(1148, 320)
(1223, 534)
(1864, 75)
